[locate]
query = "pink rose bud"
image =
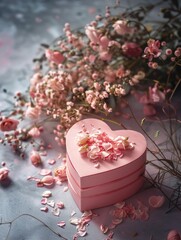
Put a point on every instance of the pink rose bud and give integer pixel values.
(105, 56)
(8, 124)
(54, 56)
(131, 49)
(35, 158)
(104, 41)
(92, 34)
(61, 173)
(4, 173)
(122, 28)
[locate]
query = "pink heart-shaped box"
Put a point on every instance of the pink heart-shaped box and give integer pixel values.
(112, 182)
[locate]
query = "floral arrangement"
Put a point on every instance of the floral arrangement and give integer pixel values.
(91, 68)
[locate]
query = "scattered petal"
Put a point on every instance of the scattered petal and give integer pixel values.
(44, 172)
(43, 153)
(60, 204)
(65, 189)
(51, 161)
(39, 184)
(61, 224)
(97, 165)
(44, 201)
(156, 201)
(120, 205)
(48, 180)
(33, 179)
(44, 209)
(112, 226)
(47, 194)
(74, 221)
(56, 211)
(58, 181)
(117, 221)
(51, 203)
(61, 173)
(73, 213)
(82, 233)
(104, 229)
(59, 156)
(87, 213)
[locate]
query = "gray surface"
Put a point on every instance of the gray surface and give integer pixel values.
(24, 25)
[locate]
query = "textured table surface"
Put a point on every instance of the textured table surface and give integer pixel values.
(24, 25)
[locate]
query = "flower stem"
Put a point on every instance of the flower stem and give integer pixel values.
(37, 219)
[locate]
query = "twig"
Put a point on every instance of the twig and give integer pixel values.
(29, 215)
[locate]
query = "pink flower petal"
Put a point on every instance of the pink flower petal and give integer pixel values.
(51, 161)
(44, 172)
(48, 180)
(44, 201)
(104, 229)
(97, 165)
(173, 235)
(117, 221)
(73, 213)
(61, 224)
(56, 211)
(82, 233)
(74, 221)
(44, 209)
(33, 179)
(156, 201)
(43, 153)
(47, 194)
(60, 204)
(65, 189)
(51, 203)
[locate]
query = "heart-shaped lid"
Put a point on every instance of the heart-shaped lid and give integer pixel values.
(84, 170)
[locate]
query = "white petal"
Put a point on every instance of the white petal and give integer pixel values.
(47, 194)
(61, 224)
(56, 211)
(51, 203)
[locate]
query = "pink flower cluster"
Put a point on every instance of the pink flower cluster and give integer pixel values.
(159, 50)
(86, 71)
(99, 146)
